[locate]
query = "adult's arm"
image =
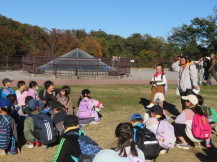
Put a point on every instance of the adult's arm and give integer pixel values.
(175, 66)
(194, 75)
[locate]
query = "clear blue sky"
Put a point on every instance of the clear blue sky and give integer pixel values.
(121, 17)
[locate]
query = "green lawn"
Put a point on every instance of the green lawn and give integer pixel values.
(120, 102)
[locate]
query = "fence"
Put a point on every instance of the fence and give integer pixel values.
(75, 66)
(11, 62)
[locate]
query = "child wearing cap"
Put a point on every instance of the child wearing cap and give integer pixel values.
(69, 147)
(5, 107)
(158, 83)
(183, 122)
(6, 90)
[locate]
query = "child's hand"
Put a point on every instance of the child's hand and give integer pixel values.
(18, 150)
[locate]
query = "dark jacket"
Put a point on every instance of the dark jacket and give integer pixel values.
(68, 147)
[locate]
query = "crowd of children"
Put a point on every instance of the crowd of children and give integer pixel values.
(47, 118)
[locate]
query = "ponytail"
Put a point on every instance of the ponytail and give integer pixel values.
(84, 93)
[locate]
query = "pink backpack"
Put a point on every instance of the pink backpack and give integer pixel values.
(84, 109)
(200, 127)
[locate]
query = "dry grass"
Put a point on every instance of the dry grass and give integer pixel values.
(120, 102)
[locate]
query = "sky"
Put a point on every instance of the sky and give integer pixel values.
(120, 17)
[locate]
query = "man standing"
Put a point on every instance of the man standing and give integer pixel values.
(212, 72)
(188, 76)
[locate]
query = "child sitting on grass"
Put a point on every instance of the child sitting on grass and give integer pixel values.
(6, 90)
(7, 144)
(32, 91)
(65, 100)
(69, 148)
(21, 93)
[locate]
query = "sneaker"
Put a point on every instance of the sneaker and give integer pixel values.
(183, 146)
(13, 151)
(94, 122)
(29, 145)
(150, 105)
(197, 145)
(163, 152)
(208, 146)
(37, 143)
(2, 152)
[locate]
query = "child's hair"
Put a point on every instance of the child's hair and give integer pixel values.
(12, 98)
(124, 133)
(200, 99)
(47, 84)
(197, 108)
(161, 65)
(32, 84)
(66, 89)
(28, 98)
(137, 120)
(50, 100)
(20, 83)
(84, 93)
(70, 121)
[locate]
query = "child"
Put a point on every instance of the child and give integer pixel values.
(158, 83)
(183, 122)
(126, 149)
(143, 135)
(32, 91)
(6, 90)
(65, 100)
(90, 115)
(69, 147)
(59, 115)
(21, 93)
(48, 92)
(5, 107)
(163, 130)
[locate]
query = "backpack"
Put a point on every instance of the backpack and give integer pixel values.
(44, 129)
(5, 132)
(165, 134)
(147, 142)
(44, 93)
(200, 127)
(84, 109)
(89, 148)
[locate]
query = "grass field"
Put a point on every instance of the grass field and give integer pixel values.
(120, 102)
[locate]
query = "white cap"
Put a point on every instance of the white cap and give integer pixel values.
(208, 58)
(192, 98)
(159, 96)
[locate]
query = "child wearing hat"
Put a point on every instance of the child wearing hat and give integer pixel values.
(6, 90)
(183, 122)
(69, 147)
(5, 107)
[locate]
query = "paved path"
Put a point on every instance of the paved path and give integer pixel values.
(141, 76)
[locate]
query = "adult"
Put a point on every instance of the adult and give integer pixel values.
(212, 72)
(206, 65)
(48, 91)
(188, 76)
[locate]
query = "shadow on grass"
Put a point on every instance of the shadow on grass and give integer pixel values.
(171, 108)
(210, 155)
(167, 106)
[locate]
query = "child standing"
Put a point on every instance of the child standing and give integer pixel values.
(65, 100)
(158, 83)
(32, 91)
(5, 107)
(6, 90)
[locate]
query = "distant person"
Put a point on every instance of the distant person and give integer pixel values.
(33, 88)
(64, 98)
(188, 76)
(206, 65)
(126, 149)
(212, 72)
(48, 91)
(158, 83)
(6, 90)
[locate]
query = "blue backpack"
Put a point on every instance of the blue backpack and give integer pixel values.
(89, 148)
(44, 129)
(5, 132)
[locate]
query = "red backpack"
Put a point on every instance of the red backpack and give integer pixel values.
(200, 127)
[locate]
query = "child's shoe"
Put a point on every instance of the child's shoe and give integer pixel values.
(29, 145)
(150, 105)
(37, 143)
(2, 152)
(14, 151)
(183, 146)
(208, 146)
